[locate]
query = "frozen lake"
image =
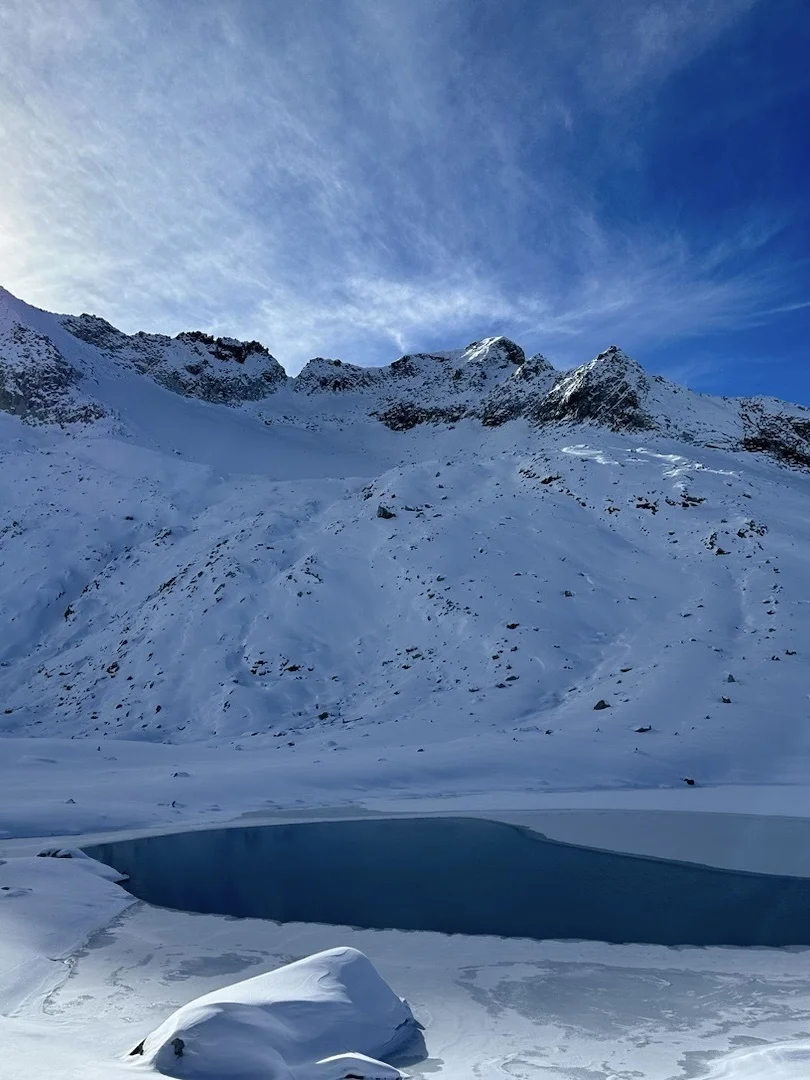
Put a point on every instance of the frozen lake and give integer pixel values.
(461, 875)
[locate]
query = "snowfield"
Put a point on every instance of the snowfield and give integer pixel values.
(584, 588)
(489, 1007)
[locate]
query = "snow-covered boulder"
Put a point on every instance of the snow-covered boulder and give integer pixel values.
(348, 1067)
(315, 1019)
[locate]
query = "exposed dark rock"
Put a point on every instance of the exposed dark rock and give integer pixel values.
(519, 394)
(37, 383)
(767, 443)
(225, 348)
(608, 391)
(406, 415)
(195, 364)
(769, 429)
(322, 375)
(93, 330)
(411, 364)
(501, 347)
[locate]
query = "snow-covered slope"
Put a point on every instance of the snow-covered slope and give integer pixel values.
(465, 580)
(191, 549)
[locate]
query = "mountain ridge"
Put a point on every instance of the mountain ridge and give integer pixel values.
(490, 381)
(440, 577)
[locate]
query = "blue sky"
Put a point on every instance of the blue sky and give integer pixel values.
(358, 178)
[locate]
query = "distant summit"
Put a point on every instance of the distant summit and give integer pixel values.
(219, 370)
(52, 369)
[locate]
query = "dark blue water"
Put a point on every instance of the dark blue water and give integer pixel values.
(458, 875)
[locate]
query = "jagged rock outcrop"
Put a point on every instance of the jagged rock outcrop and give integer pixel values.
(38, 384)
(334, 376)
(609, 391)
(51, 365)
(521, 391)
(444, 388)
(404, 416)
(771, 428)
(195, 364)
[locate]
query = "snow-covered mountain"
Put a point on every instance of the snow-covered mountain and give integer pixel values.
(55, 369)
(595, 576)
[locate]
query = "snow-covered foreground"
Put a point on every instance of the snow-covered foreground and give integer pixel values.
(490, 1008)
(295, 1023)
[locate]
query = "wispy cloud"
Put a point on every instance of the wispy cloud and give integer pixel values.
(353, 177)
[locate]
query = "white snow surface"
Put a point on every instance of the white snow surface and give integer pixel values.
(494, 1008)
(314, 1019)
(790, 1061)
(202, 616)
(187, 572)
(46, 912)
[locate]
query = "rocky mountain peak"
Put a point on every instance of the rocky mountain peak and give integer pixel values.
(230, 349)
(94, 330)
(216, 369)
(610, 390)
(494, 351)
(536, 367)
(52, 369)
(322, 375)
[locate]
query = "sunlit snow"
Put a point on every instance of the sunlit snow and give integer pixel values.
(593, 587)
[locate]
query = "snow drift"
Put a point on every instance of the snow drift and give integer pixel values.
(783, 1061)
(320, 1018)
